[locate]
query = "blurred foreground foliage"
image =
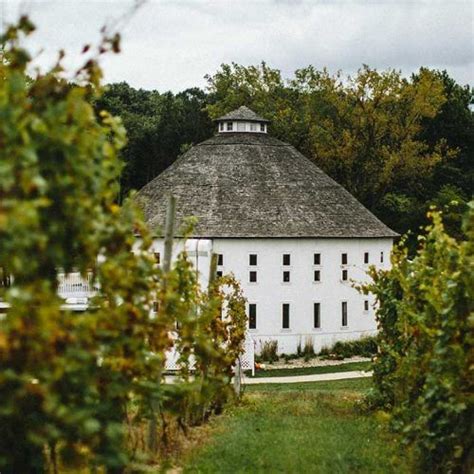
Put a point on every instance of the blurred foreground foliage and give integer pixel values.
(69, 381)
(423, 372)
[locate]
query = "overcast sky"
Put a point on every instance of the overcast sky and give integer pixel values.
(171, 45)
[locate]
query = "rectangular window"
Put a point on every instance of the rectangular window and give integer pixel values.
(220, 259)
(253, 259)
(252, 316)
(253, 277)
(317, 315)
(219, 274)
(157, 257)
(221, 126)
(344, 275)
(286, 277)
(366, 305)
(317, 275)
(286, 259)
(381, 257)
(286, 316)
(229, 126)
(240, 127)
(366, 257)
(253, 127)
(344, 258)
(262, 127)
(344, 313)
(317, 259)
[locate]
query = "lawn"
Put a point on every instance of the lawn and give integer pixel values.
(325, 369)
(298, 428)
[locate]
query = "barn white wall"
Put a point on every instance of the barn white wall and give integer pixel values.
(270, 292)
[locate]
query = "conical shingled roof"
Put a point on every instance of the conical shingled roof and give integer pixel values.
(243, 114)
(251, 185)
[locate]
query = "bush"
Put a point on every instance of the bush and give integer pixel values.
(423, 372)
(363, 347)
(269, 351)
(308, 349)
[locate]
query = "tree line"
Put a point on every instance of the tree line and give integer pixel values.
(398, 144)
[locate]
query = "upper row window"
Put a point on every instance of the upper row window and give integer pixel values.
(262, 127)
(229, 126)
(286, 259)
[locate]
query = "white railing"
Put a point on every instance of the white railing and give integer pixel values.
(73, 285)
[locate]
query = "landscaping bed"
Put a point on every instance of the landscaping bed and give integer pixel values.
(313, 367)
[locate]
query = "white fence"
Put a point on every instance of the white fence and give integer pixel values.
(247, 359)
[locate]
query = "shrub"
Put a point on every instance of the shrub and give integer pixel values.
(423, 373)
(269, 351)
(308, 349)
(363, 347)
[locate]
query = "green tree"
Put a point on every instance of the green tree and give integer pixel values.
(398, 144)
(158, 127)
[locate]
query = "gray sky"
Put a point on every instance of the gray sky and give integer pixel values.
(171, 45)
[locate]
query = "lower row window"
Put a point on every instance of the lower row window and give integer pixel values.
(252, 316)
(286, 315)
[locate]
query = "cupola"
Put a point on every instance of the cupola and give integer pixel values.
(242, 120)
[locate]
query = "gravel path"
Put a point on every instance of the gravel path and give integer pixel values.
(355, 374)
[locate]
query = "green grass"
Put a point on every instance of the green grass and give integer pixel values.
(299, 428)
(325, 369)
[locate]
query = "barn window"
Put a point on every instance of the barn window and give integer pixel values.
(221, 126)
(253, 259)
(253, 277)
(229, 126)
(157, 257)
(286, 277)
(286, 259)
(252, 316)
(381, 257)
(366, 257)
(344, 313)
(366, 305)
(220, 259)
(344, 275)
(344, 258)
(262, 127)
(317, 259)
(286, 316)
(219, 274)
(317, 315)
(317, 275)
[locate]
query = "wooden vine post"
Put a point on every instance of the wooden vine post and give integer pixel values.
(168, 252)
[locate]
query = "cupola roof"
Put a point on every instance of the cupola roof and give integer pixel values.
(243, 114)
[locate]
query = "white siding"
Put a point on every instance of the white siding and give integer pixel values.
(270, 292)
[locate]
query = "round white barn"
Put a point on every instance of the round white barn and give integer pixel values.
(294, 238)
